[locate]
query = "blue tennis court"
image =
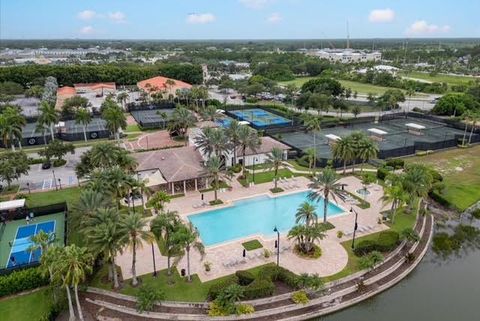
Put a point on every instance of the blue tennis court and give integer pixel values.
(260, 117)
(21, 244)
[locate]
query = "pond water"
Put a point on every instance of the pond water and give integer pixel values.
(438, 289)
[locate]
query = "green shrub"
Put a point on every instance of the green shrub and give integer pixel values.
(216, 310)
(476, 213)
(237, 168)
(439, 198)
(276, 190)
(217, 288)
(245, 277)
(386, 242)
(382, 172)
(33, 161)
(147, 296)
(437, 177)
(22, 280)
(59, 162)
(395, 163)
(245, 309)
(259, 288)
(300, 297)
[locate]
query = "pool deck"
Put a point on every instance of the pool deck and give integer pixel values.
(334, 257)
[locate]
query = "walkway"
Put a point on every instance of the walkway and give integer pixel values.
(338, 295)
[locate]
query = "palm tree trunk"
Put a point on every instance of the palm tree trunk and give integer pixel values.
(85, 132)
(464, 134)
(71, 312)
(51, 131)
(169, 270)
(79, 308)
(189, 278)
(275, 178)
(471, 133)
(315, 151)
(215, 187)
(243, 157)
(20, 144)
(134, 261)
(325, 208)
(115, 275)
(344, 166)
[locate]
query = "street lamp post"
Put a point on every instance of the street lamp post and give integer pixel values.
(60, 183)
(153, 258)
(355, 226)
(278, 245)
(28, 186)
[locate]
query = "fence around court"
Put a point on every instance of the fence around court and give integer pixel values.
(38, 212)
(439, 134)
(150, 106)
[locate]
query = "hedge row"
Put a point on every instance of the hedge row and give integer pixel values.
(22, 280)
(386, 242)
(256, 287)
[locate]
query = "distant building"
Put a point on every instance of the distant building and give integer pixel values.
(161, 84)
(381, 68)
(346, 55)
(94, 92)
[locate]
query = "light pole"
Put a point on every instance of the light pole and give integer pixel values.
(278, 245)
(28, 186)
(153, 258)
(60, 183)
(355, 226)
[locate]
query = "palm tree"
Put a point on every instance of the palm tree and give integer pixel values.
(158, 200)
(122, 98)
(187, 238)
(306, 236)
(181, 120)
(214, 169)
(42, 241)
(275, 161)
(170, 83)
(410, 92)
(417, 182)
(324, 185)
(104, 155)
(212, 141)
(233, 134)
(396, 195)
(367, 150)
(74, 265)
(89, 201)
(313, 124)
(355, 140)
(163, 227)
(103, 233)
(48, 116)
(310, 155)
(343, 150)
(11, 124)
(132, 227)
(115, 119)
(474, 117)
(83, 117)
(306, 213)
(247, 138)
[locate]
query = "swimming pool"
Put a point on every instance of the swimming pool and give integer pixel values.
(253, 216)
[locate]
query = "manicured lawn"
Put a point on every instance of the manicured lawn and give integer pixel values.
(252, 245)
(69, 195)
(297, 166)
(359, 87)
(402, 221)
(461, 171)
(265, 177)
(180, 290)
(26, 307)
(132, 128)
(442, 78)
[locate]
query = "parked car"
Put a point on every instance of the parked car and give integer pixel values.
(46, 165)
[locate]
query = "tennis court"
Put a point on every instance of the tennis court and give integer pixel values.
(260, 117)
(152, 118)
(71, 130)
(16, 239)
(393, 137)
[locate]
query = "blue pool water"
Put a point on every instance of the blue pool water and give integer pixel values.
(253, 216)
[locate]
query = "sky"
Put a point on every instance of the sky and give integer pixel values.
(237, 19)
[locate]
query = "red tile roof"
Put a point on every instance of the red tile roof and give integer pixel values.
(66, 91)
(94, 86)
(161, 83)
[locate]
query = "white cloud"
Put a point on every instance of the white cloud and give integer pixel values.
(200, 18)
(86, 15)
(381, 15)
(87, 30)
(256, 4)
(274, 18)
(118, 17)
(422, 27)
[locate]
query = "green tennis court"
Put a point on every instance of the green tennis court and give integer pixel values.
(15, 238)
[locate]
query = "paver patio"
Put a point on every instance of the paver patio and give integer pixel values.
(334, 257)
